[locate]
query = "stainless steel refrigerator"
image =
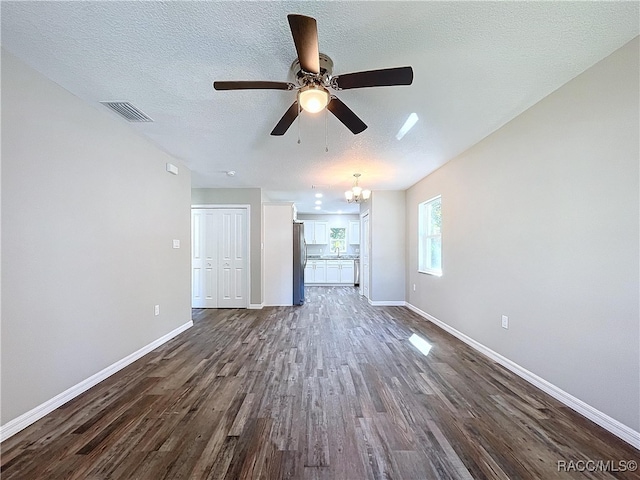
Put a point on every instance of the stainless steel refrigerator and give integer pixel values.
(299, 262)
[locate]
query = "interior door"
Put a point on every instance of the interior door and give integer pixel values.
(204, 259)
(364, 281)
(232, 270)
(219, 246)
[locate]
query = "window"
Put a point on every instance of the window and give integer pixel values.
(430, 236)
(338, 239)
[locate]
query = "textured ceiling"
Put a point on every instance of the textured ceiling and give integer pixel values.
(476, 66)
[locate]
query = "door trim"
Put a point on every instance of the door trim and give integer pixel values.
(364, 214)
(229, 206)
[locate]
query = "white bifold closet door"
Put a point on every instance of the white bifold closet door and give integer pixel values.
(219, 258)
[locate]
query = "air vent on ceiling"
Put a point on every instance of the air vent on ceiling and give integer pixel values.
(128, 111)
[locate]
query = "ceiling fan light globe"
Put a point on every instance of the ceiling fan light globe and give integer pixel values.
(313, 99)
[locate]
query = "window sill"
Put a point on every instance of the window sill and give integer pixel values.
(433, 273)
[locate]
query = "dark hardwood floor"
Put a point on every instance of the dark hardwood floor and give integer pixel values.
(329, 390)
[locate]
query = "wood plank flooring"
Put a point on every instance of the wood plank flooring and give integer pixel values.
(329, 390)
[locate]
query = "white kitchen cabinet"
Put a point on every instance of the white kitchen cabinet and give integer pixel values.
(322, 232)
(316, 233)
(321, 272)
(315, 271)
(354, 233)
(333, 271)
(309, 273)
(346, 272)
(340, 271)
(309, 231)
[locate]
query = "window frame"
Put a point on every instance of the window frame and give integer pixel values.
(341, 243)
(425, 235)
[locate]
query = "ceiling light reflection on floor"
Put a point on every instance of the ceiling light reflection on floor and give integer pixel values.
(420, 343)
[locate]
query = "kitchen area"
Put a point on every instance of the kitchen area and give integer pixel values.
(332, 249)
(304, 250)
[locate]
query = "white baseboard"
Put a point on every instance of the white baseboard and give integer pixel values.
(23, 421)
(256, 306)
(387, 303)
(619, 429)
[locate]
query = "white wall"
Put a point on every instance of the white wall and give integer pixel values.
(541, 223)
(88, 218)
(387, 252)
(278, 254)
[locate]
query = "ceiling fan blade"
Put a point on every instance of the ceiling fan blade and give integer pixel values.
(253, 85)
(374, 78)
(346, 116)
(305, 37)
(286, 120)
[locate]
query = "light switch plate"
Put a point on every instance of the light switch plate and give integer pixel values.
(176, 244)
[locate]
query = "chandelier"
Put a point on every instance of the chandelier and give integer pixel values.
(357, 194)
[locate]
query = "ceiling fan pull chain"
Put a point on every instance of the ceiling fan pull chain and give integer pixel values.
(326, 131)
(299, 123)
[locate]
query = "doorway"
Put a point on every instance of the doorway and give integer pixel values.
(219, 258)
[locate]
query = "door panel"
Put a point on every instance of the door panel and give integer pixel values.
(240, 236)
(225, 284)
(209, 227)
(196, 236)
(210, 287)
(196, 284)
(203, 261)
(233, 258)
(227, 239)
(239, 290)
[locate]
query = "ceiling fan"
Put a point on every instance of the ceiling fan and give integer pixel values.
(312, 73)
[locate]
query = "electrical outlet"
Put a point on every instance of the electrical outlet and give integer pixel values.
(505, 321)
(157, 310)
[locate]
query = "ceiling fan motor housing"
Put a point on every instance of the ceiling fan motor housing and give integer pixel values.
(302, 78)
